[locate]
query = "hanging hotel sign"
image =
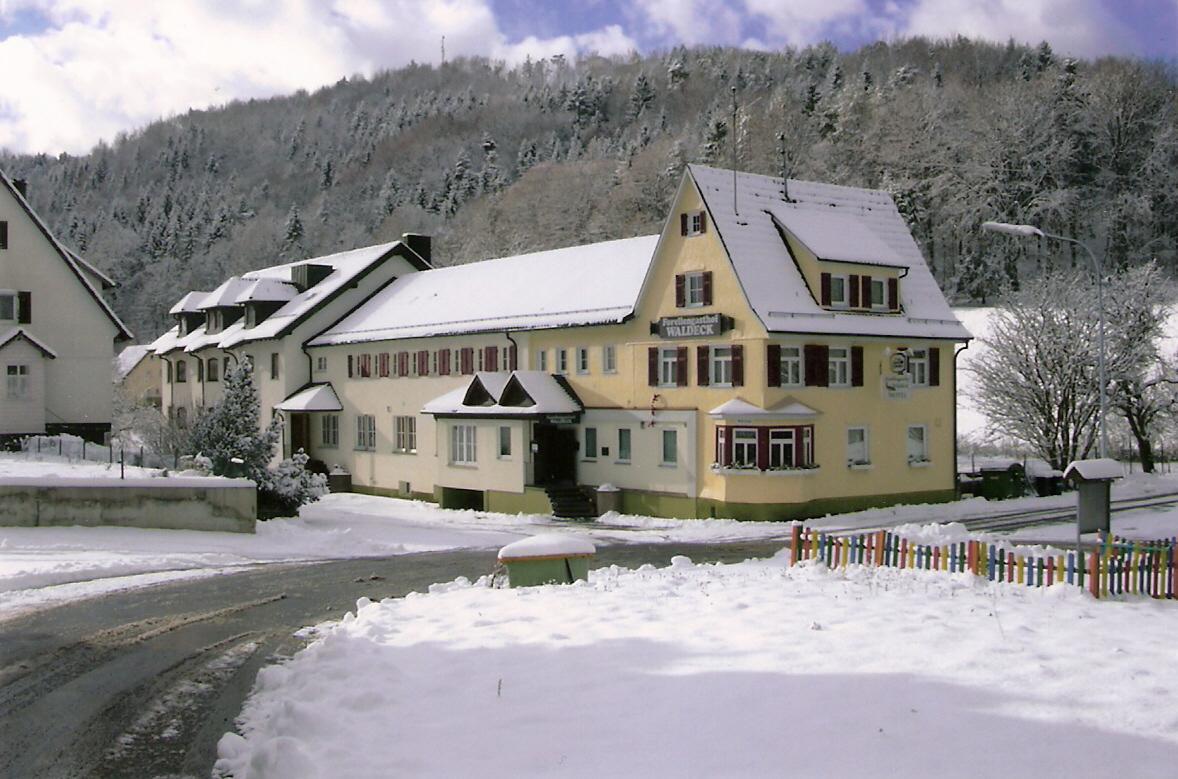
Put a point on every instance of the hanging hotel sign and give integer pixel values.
(702, 326)
(897, 387)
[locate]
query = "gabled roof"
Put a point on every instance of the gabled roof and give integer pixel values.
(226, 294)
(126, 360)
(772, 283)
(580, 285)
(786, 409)
(17, 333)
(313, 397)
(68, 257)
(515, 394)
(189, 304)
(267, 290)
(106, 281)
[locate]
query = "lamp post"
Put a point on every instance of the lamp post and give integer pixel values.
(1030, 231)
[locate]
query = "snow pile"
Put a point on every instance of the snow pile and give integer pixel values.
(706, 670)
(547, 545)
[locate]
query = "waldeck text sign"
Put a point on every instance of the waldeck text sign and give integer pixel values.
(703, 326)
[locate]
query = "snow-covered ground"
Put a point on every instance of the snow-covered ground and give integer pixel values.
(753, 669)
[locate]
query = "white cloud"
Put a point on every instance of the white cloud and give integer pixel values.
(691, 21)
(802, 22)
(104, 66)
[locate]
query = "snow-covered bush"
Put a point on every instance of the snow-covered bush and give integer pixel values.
(290, 485)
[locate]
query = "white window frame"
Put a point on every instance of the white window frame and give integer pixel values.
(881, 285)
(17, 380)
(838, 368)
(858, 451)
(695, 223)
(668, 366)
(329, 431)
(720, 366)
(582, 359)
(693, 289)
(589, 449)
(917, 454)
(365, 432)
(542, 360)
(673, 437)
(844, 281)
(609, 359)
(918, 365)
(562, 361)
(463, 445)
(625, 451)
(405, 434)
(504, 442)
(782, 441)
(792, 374)
(744, 447)
(320, 364)
(10, 294)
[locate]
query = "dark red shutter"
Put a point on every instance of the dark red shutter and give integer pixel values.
(681, 366)
(763, 448)
(402, 363)
(703, 221)
(773, 364)
(934, 366)
(826, 289)
(817, 365)
(893, 294)
(856, 366)
(702, 365)
(865, 292)
(707, 288)
(738, 366)
(728, 446)
(491, 360)
(682, 224)
(853, 283)
(24, 306)
(383, 364)
(680, 291)
(423, 362)
(468, 360)
(799, 447)
(652, 366)
(511, 358)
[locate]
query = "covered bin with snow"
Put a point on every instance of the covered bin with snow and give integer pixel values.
(609, 498)
(548, 558)
(1093, 480)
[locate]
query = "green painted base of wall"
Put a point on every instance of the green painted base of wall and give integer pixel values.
(385, 492)
(659, 505)
(533, 500)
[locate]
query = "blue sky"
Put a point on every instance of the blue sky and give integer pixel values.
(79, 71)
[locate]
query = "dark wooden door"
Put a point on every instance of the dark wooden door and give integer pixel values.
(556, 454)
(300, 432)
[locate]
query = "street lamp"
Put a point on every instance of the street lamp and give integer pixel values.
(1030, 231)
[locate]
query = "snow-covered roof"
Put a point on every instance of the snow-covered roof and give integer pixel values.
(580, 285)
(547, 545)
(519, 393)
(738, 407)
(270, 290)
(106, 281)
(317, 397)
(772, 282)
(1100, 469)
(191, 303)
(127, 359)
(226, 294)
(9, 336)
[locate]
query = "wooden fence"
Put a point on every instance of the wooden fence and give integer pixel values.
(1117, 566)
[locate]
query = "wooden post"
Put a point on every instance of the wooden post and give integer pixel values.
(1093, 574)
(795, 544)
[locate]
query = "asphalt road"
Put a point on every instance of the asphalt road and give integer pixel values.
(143, 683)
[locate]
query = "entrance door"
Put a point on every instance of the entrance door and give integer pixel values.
(556, 454)
(300, 432)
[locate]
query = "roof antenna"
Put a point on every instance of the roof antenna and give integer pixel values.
(735, 208)
(443, 49)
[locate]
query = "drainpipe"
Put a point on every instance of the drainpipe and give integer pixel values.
(514, 345)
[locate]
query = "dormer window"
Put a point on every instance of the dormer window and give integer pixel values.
(859, 291)
(838, 291)
(878, 299)
(693, 223)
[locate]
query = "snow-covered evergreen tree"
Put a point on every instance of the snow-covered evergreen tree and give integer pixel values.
(230, 431)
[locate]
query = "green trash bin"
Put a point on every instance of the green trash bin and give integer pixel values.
(549, 558)
(1003, 483)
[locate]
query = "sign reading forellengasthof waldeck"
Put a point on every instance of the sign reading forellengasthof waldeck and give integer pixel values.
(702, 326)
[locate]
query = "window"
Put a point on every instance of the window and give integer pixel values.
(838, 290)
(8, 306)
(181, 371)
(18, 382)
(744, 447)
(274, 365)
(366, 432)
(693, 290)
(693, 223)
(791, 366)
(582, 359)
(590, 452)
(542, 360)
(3, 235)
(624, 445)
(211, 373)
(168, 371)
(320, 363)
(609, 359)
(877, 294)
(839, 367)
(917, 444)
(330, 432)
(504, 441)
(918, 367)
(721, 370)
(670, 447)
(782, 446)
(463, 444)
(405, 434)
(668, 366)
(858, 452)
(562, 361)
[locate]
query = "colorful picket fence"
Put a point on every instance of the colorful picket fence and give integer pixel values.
(1117, 566)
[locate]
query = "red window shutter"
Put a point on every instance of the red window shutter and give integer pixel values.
(763, 448)
(856, 366)
(865, 292)
(652, 366)
(443, 362)
(799, 447)
(402, 363)
(467, 355)
(707, 288)
(681, 366)
(702, 367)
(773, 364)
(853, 283)
(738, 365)
(893, 294)
(491, 360)
(680, 291)
(703, 221)
(728, 446)
(423, 362)
(24, 308)
(826, 289)
(934, 366)
(512, 363)
(384, 364)
(817, 365)
(350, 359)
(682, 224)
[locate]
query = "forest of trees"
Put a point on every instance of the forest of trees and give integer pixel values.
(494, 160)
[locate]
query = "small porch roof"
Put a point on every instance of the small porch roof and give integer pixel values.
(515, 394)
(786, 409)
(316, 397)
(20, 332)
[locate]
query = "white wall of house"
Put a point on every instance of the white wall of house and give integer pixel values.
(22, 413)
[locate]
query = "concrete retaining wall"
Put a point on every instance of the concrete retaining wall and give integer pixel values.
(174, 503)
